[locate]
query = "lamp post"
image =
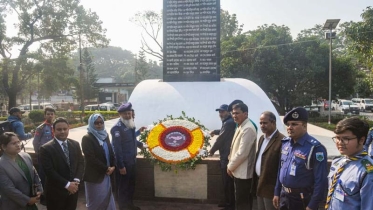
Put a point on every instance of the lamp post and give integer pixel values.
(330, 24)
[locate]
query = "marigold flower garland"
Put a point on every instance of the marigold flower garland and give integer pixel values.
(180, 142)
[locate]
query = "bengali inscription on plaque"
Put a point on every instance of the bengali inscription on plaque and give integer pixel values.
(191, 45)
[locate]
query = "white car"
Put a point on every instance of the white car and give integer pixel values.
(347, 106)
(365, 104)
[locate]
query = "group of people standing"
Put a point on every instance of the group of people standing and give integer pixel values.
(289, 172)
(62, 166)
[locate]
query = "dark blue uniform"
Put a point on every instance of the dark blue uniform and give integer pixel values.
(302, 178)
(125, 147)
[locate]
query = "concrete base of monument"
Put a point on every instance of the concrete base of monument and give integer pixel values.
(188, 184)
(154, 100)
(203, 185)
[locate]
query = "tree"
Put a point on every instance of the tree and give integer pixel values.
(361, 35)
(229, 25)
(151, 23)
(90, 91)
(142, 68)
(48, 26)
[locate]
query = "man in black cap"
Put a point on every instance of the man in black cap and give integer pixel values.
(223, 144)
(125, 147)
(15, 116)
(302, 178)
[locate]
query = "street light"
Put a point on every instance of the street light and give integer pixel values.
(330, 24)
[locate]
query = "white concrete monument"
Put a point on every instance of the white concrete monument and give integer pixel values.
(154, 100)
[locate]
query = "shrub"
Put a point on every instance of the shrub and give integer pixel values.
(36, 116)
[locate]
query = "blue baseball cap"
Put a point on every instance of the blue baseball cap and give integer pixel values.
(223, 107)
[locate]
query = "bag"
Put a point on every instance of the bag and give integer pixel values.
(6, 126)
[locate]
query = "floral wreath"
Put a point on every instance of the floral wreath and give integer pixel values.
(179, 142)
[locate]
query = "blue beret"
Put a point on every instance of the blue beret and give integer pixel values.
(296, 114)
(125, 107)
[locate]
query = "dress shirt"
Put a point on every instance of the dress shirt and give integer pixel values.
(60, 143)
(262, 148)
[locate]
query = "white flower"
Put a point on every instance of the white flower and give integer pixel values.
(171, 156)
(183, 123)
(206, 134)
(202, 153)
(150, 127)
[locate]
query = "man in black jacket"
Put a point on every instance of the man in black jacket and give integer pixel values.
(223, 144)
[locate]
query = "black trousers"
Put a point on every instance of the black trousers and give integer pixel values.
(126, 187)
(62, 202)
(244, 197)
(293, 201)
(228, 185)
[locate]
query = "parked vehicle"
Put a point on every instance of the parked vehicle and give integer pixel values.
(346, 106)
(364, 104)
(26, 107)
(100, 107)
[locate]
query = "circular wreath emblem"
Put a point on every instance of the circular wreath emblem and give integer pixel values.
(179, 142)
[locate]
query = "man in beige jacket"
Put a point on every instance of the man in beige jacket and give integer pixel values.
(242, 157)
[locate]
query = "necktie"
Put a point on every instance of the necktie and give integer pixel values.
(338, 174)
(66, 151)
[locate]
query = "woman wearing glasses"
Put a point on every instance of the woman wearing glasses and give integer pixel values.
(20, 186)
(99, 165)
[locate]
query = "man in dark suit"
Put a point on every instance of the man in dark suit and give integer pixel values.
(63, 165)
(223, 144)
(267, 160)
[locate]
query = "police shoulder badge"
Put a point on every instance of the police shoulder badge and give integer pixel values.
(116, 134)
(295, 115)
(319, 156)
(367, 165)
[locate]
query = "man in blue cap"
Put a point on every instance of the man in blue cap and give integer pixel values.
(223, 144)
(125, 147)
(302, 178)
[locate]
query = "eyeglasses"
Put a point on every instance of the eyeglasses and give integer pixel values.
(99, 122)
(344, 140)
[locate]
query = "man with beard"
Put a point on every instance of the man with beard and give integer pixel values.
(223, 144)
(125, 147)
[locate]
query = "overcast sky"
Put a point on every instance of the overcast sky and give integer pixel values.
(296, 14)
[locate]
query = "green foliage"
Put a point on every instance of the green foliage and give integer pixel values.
(142, 67)
(189, 164)
(36, 116)
(42, 28)
(229, 25)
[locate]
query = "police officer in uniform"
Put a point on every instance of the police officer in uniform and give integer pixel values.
(351, 176)
(43, 134)
(125, 147)
(302, 178)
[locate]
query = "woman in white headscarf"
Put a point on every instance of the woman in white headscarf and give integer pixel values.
(99, 165)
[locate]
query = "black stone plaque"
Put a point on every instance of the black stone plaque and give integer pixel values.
(191, 40)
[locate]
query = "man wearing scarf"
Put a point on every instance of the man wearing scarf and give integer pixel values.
(125, 148)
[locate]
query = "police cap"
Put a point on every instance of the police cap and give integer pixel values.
(125, 107)
(296, 114)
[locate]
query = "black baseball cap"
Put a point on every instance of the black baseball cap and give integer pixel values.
(14, 110)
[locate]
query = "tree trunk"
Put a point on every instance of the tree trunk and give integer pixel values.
(12, 99)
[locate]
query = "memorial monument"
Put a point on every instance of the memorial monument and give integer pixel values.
(192, 84)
